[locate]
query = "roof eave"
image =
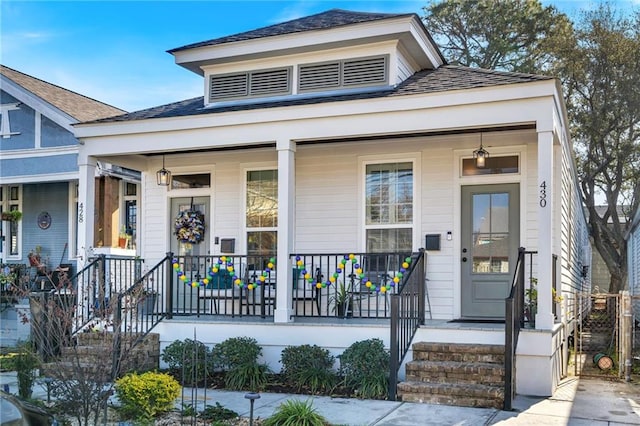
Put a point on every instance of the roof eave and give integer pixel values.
(407, 29)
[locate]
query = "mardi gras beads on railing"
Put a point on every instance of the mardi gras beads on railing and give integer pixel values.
(223, 263)
(263, 276)
(317, 281)
(396, 279)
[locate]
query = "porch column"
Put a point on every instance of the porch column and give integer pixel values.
(286, 205)
(86, 208)
(545, 197)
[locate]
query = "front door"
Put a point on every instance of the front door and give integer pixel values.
(199, 204)
(490, 240)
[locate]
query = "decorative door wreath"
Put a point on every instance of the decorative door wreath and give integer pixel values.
(189, 226)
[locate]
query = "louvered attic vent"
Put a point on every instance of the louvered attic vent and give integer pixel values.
(343, 74)
(250, 84)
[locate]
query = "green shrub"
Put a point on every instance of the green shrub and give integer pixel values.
(295, 413)
(365, 367)
(190, 361)
(217, 413)
(8, 361)
(25, 363)
(252, 376)
(308, 365)
(144, 396)
(237, 351)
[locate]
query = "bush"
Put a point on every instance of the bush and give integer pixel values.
(146, 395)
(365, 367)
(8, 361)
(237, 351)
(238, 357)
(217, 413)
(295, 413)
(308, 365)
(190, 361)
(25, 362)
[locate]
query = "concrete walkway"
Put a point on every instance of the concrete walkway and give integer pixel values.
(577, 402)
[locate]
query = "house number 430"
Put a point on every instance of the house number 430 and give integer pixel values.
(543, 194)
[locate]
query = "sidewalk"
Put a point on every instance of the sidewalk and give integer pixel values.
(577, 402)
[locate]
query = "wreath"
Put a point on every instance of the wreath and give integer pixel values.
(189, 226)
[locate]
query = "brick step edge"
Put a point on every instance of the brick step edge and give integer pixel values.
(458, 401)
(451, 389)
(456, 367)
(458, 348)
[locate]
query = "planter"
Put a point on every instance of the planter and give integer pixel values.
(34, 260)
(11, 216)
(344, 309)
(147, 304)
(122, 242)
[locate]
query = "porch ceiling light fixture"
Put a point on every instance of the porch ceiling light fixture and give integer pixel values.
(480, 155)
(163, 176)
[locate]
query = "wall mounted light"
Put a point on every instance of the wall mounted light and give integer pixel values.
(480, 155)
(163, 176)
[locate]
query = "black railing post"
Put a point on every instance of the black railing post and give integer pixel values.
(169, 286)
(102, 283)
(422, 287)
(394, 350)
(117, 343)
(508, 360)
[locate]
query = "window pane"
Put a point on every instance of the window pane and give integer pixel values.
(262, 199)
(191, 181)
(261, 243)
(389, 193)
(493, 165)
(491, 233)
(386, 240)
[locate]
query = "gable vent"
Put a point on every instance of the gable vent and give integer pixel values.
(271, 82)
(364, 71)
(229, 86)
(319, 76)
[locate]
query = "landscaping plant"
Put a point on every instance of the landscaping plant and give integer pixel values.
(25, 362)
(238, 357)
(144, 396)
(365, 367)
(308, 366)
(296, 413)
(190, 361)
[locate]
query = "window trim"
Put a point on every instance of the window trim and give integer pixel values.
(363, 162)
(6, 203)
(245, 229)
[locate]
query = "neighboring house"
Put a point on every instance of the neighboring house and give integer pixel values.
(39, 174)
(348, 133)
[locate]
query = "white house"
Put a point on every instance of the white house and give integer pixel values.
(348, 133)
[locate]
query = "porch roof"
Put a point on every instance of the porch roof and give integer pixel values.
(442, 79)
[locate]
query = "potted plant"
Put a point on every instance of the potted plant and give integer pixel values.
(35, 257)
(147, 301)
(122, 238)
(342, 300)
(12, 215)
(531, 303)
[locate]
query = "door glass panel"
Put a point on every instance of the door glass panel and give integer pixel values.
(490, 233)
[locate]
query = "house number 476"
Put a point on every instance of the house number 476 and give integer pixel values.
(543, 194)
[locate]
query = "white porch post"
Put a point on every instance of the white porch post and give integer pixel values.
(86, 208)
(286, 204)
(546, 187)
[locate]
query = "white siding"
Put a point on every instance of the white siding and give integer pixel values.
(633, 247)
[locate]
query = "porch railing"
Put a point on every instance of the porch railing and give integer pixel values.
(407, 314)
(354, 285)
(99, 282)
(514, 321)
(139, 308)
(231, 285)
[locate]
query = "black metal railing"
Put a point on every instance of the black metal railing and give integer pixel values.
(138, 309)
(407, 314)
(99, 282)
(354, 285)
(231, 285)
(515, 320)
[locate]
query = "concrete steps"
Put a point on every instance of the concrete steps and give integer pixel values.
(468, 375)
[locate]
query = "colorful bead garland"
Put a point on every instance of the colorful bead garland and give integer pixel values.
(226, 264)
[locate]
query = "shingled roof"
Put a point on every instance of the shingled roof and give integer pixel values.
(330, 19)
(77, 106)
(445, 78)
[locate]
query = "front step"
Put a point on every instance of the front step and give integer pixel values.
(455, 374)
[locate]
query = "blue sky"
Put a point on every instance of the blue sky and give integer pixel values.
(115, 51)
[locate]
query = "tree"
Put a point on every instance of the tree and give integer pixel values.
(516, 35)
(599, 67)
